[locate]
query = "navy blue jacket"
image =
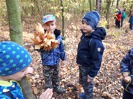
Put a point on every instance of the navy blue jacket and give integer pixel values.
(126, 65)
(131, 20)
(52, 57)
(90, 50)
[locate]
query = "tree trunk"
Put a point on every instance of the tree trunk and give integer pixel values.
(113, 3)
(15, 26)
(90, 2)
(117, 4)
(14, 18)
(63, 20)
(94, 4)
(124, 4)
(98, 5)
(108, 10)
(26, 88)
(127, 1)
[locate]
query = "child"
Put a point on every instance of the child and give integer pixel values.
(126, 67)
(116, 12)
(90, 51)
(50, 59)
(118, 19)
(123, 16)
(131, 21)
(14, 62)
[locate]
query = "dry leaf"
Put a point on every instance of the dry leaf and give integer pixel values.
(44, 40)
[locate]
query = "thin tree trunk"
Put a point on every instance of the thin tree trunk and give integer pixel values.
(108, 10)
(124, 4)
(127, 1)
(117, 4)
(98, 5)
(14, 18)
(113, 3)
(15, 26)
(26, 88)
(90, 2)
(94, 4)
(63, 20)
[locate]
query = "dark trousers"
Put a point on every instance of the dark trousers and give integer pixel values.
(127, 95)
(51, 76)
(117, 24)
(131, 26)
(122, 22)
(87, 86)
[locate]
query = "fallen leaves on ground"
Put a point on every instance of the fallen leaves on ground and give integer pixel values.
(108, 80)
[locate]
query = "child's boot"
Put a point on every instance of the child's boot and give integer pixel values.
(89, 96)
(47, 86)
(82, 96)
(59, 90)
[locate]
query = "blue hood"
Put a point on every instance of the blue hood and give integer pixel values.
(99, 33)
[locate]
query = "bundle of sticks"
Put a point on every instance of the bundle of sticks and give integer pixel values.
(45, 40)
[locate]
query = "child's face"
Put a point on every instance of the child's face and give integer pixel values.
(86, 28)
(19, 75)
(50, 26)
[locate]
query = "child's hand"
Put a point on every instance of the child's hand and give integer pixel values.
(127, 79)
(125, 74)
(47, 94)
(29, 71)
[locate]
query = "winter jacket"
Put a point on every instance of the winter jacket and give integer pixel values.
(126, 65)
(52, 57)
(131, 19)
(10, 90)
(124, 15)
(90, 50)
(118, 17)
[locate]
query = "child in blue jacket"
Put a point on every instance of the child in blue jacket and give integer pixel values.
(50, 59)
(14, 65)
(126, 67)
(90, 51)
(131, 21)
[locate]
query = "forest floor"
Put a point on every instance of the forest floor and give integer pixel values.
(108, 80)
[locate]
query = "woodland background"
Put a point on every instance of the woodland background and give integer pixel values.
(69, 14)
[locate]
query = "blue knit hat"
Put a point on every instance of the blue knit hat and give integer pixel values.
(13, 58)
(92, 18)
(48, 18)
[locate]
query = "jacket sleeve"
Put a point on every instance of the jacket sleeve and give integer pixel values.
(61, 48)
(96, 50)
(124, 64)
